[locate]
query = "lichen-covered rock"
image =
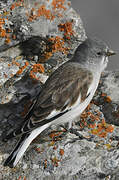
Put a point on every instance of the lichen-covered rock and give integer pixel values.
(108, 97)
(36, 37)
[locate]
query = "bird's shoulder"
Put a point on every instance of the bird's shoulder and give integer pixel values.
(64, 76)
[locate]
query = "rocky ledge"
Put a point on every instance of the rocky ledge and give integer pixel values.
(36, 38)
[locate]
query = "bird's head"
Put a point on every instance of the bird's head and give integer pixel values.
(94, 53)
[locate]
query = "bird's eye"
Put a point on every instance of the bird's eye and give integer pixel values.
(99, 53)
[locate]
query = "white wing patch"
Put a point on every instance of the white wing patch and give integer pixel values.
(55, 113)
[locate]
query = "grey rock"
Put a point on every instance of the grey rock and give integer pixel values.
(80, 154)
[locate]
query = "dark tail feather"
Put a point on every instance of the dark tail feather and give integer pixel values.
(10, 160)
(22, 145)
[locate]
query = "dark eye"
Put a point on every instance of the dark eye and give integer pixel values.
(99, 53)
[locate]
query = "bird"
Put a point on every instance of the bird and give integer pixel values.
(64, 96)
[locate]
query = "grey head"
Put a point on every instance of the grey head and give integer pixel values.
(93, 53)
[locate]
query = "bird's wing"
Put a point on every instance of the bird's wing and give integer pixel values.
(59, 94)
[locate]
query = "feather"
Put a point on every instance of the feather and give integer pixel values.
(22, 145)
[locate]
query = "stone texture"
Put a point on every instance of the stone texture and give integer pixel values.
(83, 153)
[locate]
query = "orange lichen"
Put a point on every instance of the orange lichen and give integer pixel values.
(42, 11)
(92, 125)
(36, 68)
(47, 55)
(67, 29)
(17, 64)
(21, 69)
(102, 129)
(32, 75)
(109, 129)
(102, 134)
(58, 45)
(52, 143)
(61, 152)
(58, 4)
(12, 7)
(99, 128)
(9, 65)
(2, 21)
(30, 19)
(9, 30)
(26, 63)
(2, 33)
(3, 17)
(16, 4)
(108, 99)
(54, 134)
(7, 40)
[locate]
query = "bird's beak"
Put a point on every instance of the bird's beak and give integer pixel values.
(110, 53)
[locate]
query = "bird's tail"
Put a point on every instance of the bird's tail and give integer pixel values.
(22, 145)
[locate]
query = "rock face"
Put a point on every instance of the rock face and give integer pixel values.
(36, 37)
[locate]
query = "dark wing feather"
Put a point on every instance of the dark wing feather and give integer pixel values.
(60, 92)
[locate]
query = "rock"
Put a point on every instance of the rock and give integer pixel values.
(34, 35)
(31, 47)
(109, 102)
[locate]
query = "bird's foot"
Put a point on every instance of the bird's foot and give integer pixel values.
(77, 133)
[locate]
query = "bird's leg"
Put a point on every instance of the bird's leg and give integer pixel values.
(70, 124)
(75, 131)
(67, 126)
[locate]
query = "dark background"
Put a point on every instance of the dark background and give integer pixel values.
(101, 19)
